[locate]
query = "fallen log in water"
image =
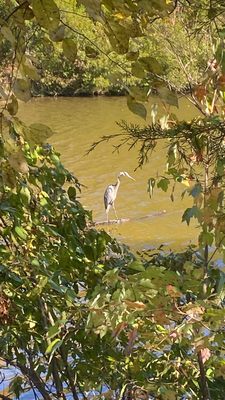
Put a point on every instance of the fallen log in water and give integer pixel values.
(122, 220)
(112, 221)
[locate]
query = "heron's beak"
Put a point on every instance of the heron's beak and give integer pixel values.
(131, 177)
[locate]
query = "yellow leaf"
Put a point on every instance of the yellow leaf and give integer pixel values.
(186, 182)
(120, 16)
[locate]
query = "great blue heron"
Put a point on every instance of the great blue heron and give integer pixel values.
(111, 193)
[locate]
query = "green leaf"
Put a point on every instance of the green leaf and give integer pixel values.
(93, 8)
(91, 52)
(189, 213)
(72, 193)
(12, 105)
(150, 64)
(70, 49)
(196, 190)
(137, 70)
(53, 346)
(115, 78)
(37, 134)
(16, 386)
(7, 33)
(90, 252)
(21, 89)
(118, 37)
(20, 231)
(220, 166)
(168, 96)
(146, 283)
(58, 288)
(25, 195)
(212, 13)
(30, 70)
(206, 238)
(136, 266)
(41, 283)
(163, 184)
(97, 318)
(132, 55)
(136, 108)
(139, 94)
(46, 13)
(55, 329)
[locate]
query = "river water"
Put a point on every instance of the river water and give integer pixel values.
(78, 122)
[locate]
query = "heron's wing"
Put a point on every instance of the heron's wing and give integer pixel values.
(109, 196)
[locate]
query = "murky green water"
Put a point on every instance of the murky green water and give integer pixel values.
(81, 121)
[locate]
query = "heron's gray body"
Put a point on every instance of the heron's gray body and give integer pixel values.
(111, 193)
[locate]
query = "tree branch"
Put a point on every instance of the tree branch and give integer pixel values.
(16, 9)
(3, 397)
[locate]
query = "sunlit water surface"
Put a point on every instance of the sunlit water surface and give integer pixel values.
(78, 122)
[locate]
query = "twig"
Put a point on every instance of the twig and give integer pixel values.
(16, 9)
(75, 13)
(216, 249)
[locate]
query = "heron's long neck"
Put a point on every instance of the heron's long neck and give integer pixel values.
(117, 184)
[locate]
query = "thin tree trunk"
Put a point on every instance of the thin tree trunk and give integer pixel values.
(203, 381)
(68, 372)
(57, 380)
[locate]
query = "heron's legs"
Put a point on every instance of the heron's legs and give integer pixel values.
(107, 213)
(115, 211)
